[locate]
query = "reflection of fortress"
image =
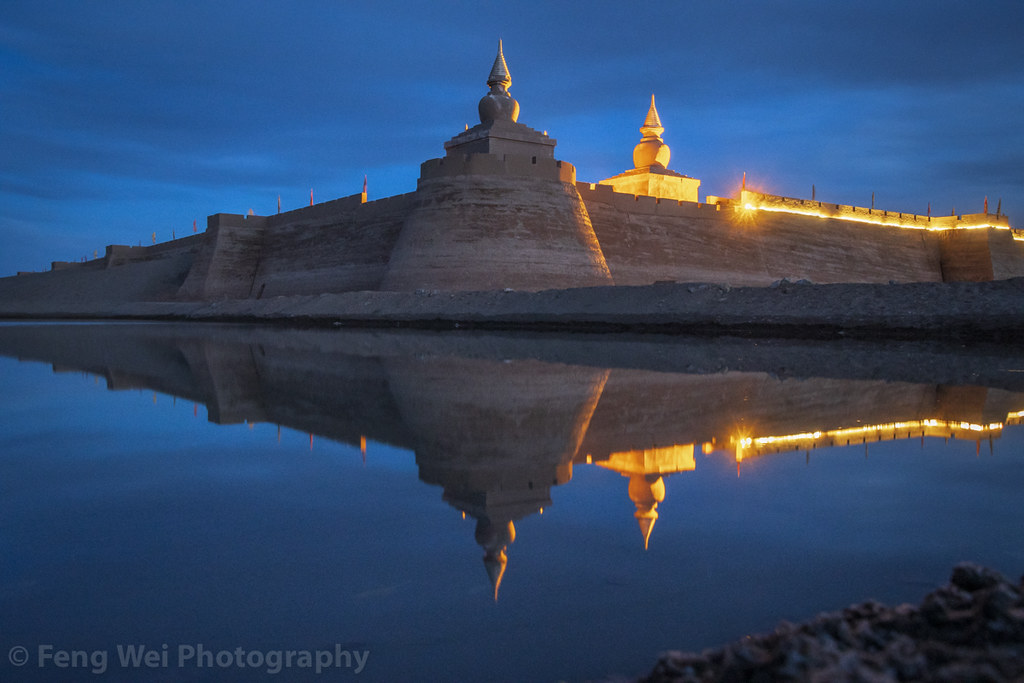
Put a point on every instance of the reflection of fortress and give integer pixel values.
(499, 211)
(497, 429)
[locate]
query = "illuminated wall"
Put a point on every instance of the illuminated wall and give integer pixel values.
(645, 240)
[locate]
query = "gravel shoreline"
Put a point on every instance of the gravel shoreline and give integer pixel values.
(992, 311)
(971, 629)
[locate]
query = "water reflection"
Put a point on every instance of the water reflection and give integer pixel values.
(497, 421)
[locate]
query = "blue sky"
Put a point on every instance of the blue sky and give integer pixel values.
(121, 119)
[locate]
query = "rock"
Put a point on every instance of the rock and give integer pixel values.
(972, 577)
(971, 629)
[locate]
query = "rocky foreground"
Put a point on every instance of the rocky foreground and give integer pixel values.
(971, 629)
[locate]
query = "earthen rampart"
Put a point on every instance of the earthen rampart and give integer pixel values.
(323, 212)
(481, 232)
(119, 254)
(533, 166)
(338, 246)
(768, 202)
(348, 249)
(646, 240)
(980, 255)
(226, 264)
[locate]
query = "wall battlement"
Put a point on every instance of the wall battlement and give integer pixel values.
(766, 202)
(498, 165)
(119, 254)
(643, 204)
(328, 210)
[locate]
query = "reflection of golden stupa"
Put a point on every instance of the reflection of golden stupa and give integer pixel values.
(646, 469)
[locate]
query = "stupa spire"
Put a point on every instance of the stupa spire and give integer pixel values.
(498, 104)
(652, 124)
(646, 491)
(652, 150)
(499, 72)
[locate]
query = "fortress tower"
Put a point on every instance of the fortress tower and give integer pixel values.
(498, 211)
(650, 175)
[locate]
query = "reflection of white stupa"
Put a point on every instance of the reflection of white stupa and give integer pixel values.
(496, 435)
(495, 539)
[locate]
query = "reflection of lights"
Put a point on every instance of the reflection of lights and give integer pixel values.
(659, 460)
(892, 430)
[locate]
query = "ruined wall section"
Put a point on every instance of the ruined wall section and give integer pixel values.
(646, 240)
(338, 246)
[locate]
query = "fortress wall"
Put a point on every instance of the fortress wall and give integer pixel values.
(476, 232)
(530, 166)
(645, 240)
(92, 264)
(1007, 254)
(324, 212)
(91, 289)
(966, 256)
(644, 204)
(981, 255)
(119, 254)
(226, 264)
(772, 202)
(340, 250)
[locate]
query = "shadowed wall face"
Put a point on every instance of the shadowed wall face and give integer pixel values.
(493, 232)
(644, 241)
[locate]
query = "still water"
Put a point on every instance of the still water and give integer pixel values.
(250, 504)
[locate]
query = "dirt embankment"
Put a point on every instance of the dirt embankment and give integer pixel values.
(977, 310)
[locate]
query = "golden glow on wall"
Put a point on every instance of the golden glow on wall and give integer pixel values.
(757, 201)
(752, 446)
